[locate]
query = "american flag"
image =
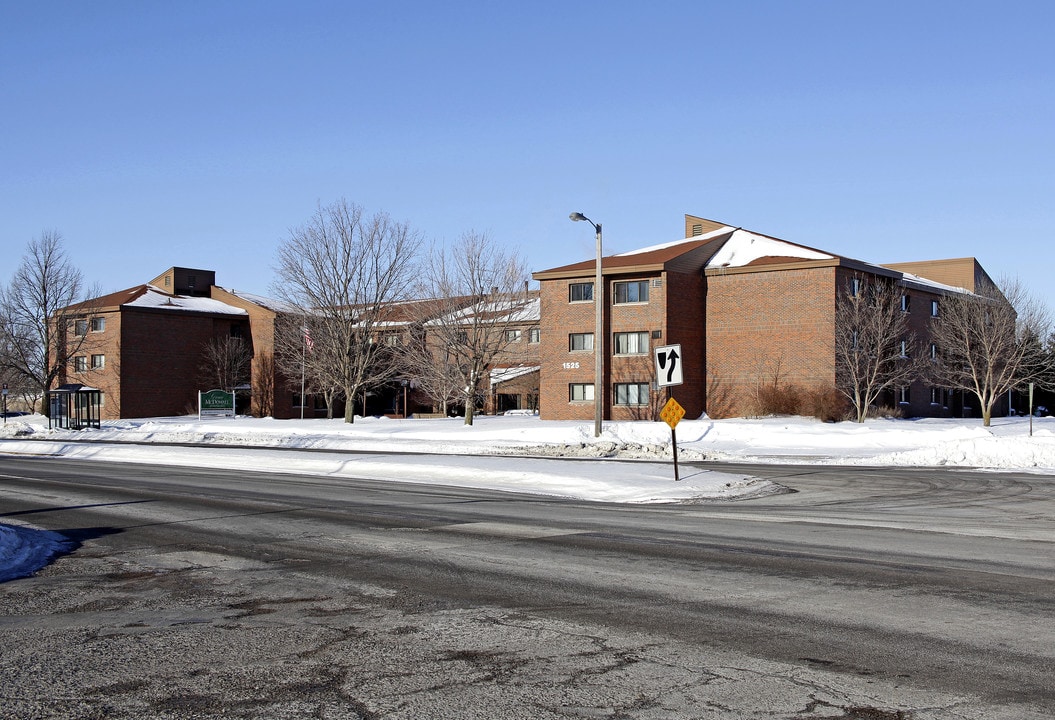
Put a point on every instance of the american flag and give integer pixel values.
(307, 339)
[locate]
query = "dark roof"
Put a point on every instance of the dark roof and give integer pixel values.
(693, 252)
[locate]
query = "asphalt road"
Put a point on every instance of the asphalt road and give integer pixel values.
(865, 593)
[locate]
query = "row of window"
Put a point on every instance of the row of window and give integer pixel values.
(857, 287)
(906, 305)
(938, 396)
(638, 394)
(633, 291)
(80, 363)
(622, 393)
(512, 336)
(623, 343)
(904, 347)
(96, 324)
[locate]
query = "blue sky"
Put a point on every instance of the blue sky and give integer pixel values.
(190, 133)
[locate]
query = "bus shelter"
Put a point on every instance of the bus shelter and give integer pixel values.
(73, 407)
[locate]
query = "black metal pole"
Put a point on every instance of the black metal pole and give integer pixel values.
(673, 438)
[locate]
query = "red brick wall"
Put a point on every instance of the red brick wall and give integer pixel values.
(764, 327)
(686, 323)
(920, 322)
(632, 317)
(161, 359)
(675, 309)
(265, 372)
(559, 367)
(105, 343)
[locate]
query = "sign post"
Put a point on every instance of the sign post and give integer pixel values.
(668, 373)
(672, 413)
(5, 403)
(1031, 410)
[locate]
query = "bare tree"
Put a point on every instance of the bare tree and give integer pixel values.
(434, 376)
(42, 325)
(875, 350)
(226, 363)
(480, 295)
(263, 381)
(341, 271)
(991, 342)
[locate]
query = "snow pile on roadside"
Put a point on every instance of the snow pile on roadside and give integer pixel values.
(24, 550)
(932, 442)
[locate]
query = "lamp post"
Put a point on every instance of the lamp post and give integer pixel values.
(598, 335)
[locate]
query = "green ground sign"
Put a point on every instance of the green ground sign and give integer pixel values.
(215, 403)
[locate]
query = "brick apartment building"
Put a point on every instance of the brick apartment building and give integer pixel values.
(144, 346)
(746, 308)
(143, 350)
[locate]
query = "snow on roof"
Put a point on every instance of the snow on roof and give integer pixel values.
(157, 298)
(673, 243)
(501, 375)
(502, 310)
(264, 301)
(919, 280)
(743, 248)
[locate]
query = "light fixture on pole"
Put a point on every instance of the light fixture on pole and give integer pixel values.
(598, 335)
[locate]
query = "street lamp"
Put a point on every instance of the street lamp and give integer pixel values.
(598, 335)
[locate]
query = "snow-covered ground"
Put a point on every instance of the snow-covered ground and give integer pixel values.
(611, 468)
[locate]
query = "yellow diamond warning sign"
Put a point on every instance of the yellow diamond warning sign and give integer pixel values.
(672, 413)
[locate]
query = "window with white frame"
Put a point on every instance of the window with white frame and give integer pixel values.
(580, 392)
(80, 363)
(904, 348)
(631, 393)
(392, 340)
(580, 292)
(98, 324)
(934, 308)
(904, 395)
(80, 327)
(533, 335)
(938, 397)
(98, 362)
(906, 303)
(512, 336)
(934, 351)
(635, 291)
(856, 286)
(580, 341)
(631, 343)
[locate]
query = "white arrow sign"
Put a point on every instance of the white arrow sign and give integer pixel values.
(668, 365)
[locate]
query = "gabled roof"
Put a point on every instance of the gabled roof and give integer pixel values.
(724, 249)
(157, 298)
(268, 303)
(693, 251)
(501, 309)
(743, 249)
(148, 296)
